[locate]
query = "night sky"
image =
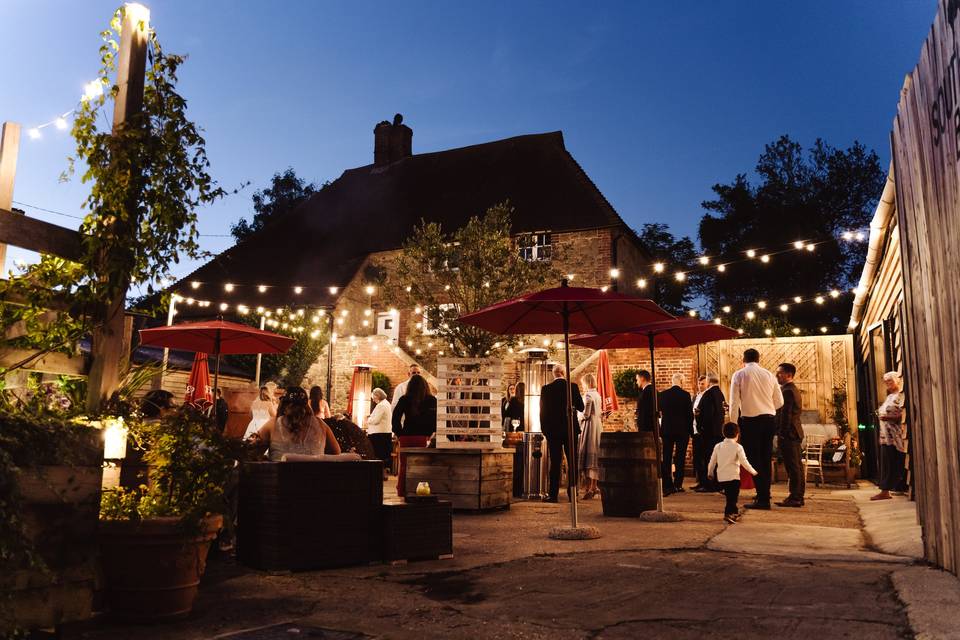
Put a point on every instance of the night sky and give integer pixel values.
(657, 100)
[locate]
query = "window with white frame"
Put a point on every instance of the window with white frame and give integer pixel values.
(535, 246)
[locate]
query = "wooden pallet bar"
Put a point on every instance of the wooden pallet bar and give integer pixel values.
(468, 403)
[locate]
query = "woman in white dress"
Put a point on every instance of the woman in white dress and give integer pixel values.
(297, 434)
(591, 428)
(263, 408)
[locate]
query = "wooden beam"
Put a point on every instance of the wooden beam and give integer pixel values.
(36, 235)
(50, 363)
(108, 338)
(9, 147)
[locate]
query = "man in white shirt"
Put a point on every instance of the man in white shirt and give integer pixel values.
(755, 397)
(402, 387)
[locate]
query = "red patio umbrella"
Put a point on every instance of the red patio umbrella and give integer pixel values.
(198, 384)
(679, 332)
(216, 337)
(608, 394)
(566, 309)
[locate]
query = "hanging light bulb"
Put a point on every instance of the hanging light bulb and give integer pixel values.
(680, 276)
(848, 236)
(262, 288)
(797, 299)
(704, 260)
(798, 244)
(767, 332)
(369, 289)
(796, 331)
(740, 331)
(34, 133)
(721, 268)
(333, 290)
(642, 283)
(784, 307)
(810, 247)
(819, 300)
(658, 267)
(692, 313)
(298, 290)
(751, 253)
(228, 287)
(762, 304)
(224, 306)
(751, 315)
(726, 308)
(614, 273)
(834, 294)
(765, 258)
(716, 321)
(194, 285)
(823, 329)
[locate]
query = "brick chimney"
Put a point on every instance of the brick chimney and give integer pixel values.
(391, 142)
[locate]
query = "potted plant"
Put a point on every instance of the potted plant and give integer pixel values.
(50, 475)
(154, 538)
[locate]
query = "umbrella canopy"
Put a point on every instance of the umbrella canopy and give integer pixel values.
(589, 311)
(199, 390)
(679, 332)
(216, 337)
(608, 394)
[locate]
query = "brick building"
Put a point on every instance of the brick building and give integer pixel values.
(323, 253)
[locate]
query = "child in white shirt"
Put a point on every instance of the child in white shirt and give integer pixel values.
(725, 463)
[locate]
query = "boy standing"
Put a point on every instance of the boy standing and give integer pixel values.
(725, 463)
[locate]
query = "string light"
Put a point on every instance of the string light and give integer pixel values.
(228, 287)
(333, 290)
(797, 299)
(810, 247)
(721, 268)
(767, 332)
(704, 260)
(751, 253)
(798, 244)
(658, 267)
(692, 313)
(823, 329)
(819, 300)
(726, 308)
(614, 273)
(765, 258)
(642, 283)
(716, 321)
(298, 290)
(751, 315)
(679, 276)
(834, 294)
(784, 307)
(762, 304)
(796, 331)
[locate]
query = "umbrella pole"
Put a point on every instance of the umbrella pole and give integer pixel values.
(656, 427)
(216, 372)
(572, 463)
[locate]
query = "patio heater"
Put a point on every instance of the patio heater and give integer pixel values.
(534, 373)
(360, 392)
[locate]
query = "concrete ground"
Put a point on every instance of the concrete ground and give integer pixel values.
(790, 573)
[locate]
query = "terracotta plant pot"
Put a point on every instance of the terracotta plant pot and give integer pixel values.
(152, 569)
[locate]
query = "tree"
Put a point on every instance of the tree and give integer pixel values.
(464, 271)
(681, 255)
(286, 191)
(811, 197)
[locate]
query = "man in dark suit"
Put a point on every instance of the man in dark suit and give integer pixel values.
(676, 407)
(222, 410)
(646, 411)
(553, 423)
(709, 413)
(790, 434)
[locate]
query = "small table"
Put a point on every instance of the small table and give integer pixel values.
(417, 530)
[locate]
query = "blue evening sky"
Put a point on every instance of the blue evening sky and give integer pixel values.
(656, 100)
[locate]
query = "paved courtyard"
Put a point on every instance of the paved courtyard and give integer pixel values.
(789, 573)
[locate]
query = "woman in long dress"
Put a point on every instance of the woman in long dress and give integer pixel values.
(263, 408)
(591, 427)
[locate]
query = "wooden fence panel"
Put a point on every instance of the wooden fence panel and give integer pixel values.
(468, 403)
(926, 165)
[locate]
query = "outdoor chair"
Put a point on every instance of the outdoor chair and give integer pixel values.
(813, 458)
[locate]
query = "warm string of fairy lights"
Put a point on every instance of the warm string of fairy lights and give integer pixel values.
(91, 91)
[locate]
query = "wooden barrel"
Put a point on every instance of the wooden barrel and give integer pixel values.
(628, 473)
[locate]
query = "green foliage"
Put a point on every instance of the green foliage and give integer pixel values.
(38, 426)
(469, 268)
(190, 462)
(681, 254)
(147, 177)
(839, 407)
(810, 195)
(380, 380)
(288, 368)
(285, 192)
(625, 383)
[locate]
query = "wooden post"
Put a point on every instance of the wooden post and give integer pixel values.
(108, 333)
(9, 147)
